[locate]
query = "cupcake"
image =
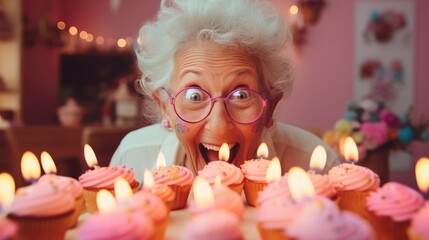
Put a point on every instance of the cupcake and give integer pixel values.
(254, 172)
(216, 224)
(42, 211)
(391, 208)
(353, 184)
(274, 190)
(145, 203)
(419, 224)
(69, 186)
(8, 229)
(116, 225)
(224, 198)
(93, 181)
(179, 179)
(231, 175)
(164, 192)
(324, 218)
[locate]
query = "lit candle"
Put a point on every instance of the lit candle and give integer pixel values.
(274, 171)
(105, 201)
(48, 164)
(7, 186)
(300, 185)
(351, 153)
(160, 161)
(203, 193)
(262, 152)
(122, 189)
(318, 159)
(224, 152)
(90, 158)
(148, 180)
(422, 174)
(30, 167)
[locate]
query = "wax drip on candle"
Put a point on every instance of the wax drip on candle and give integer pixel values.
(318, 160)
(48, 164)
(262, 151)
(90, 158)
(7, 193)
(30, 167)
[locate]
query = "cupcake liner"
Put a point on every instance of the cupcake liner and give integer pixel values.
(43, 228)
(412, 235)
(78, 208)
(160, 229)
(251, 190)
(182, 194)
(354, 202)
(386, 228)
(238, 188)
(271, 234)
(90, 196)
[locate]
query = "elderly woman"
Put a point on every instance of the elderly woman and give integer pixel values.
(216, 70)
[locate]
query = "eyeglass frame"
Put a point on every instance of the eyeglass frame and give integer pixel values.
(172, 100)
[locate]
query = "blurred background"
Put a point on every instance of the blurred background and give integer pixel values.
(59, 54)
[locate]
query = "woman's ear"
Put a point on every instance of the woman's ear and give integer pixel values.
(269, 122)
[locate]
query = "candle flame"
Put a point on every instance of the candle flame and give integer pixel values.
(48, 163)
(30, 167)
(7, 186)
(274, 171)
(422, 174)
(300, 185)
(203, 193)
(122, 189)
(293, 9)
(224, 152)
(218, 180)
(318, 158)
(148, 180)
(351, 153)
(90, 158)
(105, 201)
(160, 161)
(262, 151)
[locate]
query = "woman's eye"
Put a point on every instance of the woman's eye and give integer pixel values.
(241, 95)
(195, 95)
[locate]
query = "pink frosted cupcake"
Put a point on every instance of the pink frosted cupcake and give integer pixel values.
(418, 229)
(231, 175)
(165, 193)
(323, 185)
(279, 188)
(145, 203)
(216, 224)
(391, 208)
(254, 172)
(42, 211)
(179, 179)
(8, 229)
(353, 184)
(116, 225)
(93, 181)
(224, 198)
(69, 186)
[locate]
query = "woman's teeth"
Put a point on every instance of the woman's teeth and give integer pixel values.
(216, 148)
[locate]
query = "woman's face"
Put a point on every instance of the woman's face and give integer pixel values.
(219, 71)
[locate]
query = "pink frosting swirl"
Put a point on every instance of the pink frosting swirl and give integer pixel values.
(162, 191)
(7, 229)
(116, 226)
(322, 184)
(255, 169)
(41, 200)
(274, 190)
(230, 174)
(395, 200)
(419, 222)
(104, 177)
(67, 184)
(219, 224)
(225, 198)
(173, 175)
(349, 177)
(277, 213)
(325, 219)
(146, 202)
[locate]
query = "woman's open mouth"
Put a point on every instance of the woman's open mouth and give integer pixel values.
(211, 152)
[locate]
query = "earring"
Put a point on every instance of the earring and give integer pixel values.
(166, 124)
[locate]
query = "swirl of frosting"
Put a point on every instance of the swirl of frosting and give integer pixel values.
(277, 213)
(104, 177)
(274, 189)
(255, 169)
(395, 200)
(213, 225)
(116, 225)
(173, 175)
(67, 184)
(164, 192)
(40, 200)
(322, 184)
(230, 174)
(225, 198)
(147, 203)
(349, 177)
(328, 221)
(419, 222)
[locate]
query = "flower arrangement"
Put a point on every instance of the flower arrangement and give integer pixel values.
(382, 25)
(373, 126)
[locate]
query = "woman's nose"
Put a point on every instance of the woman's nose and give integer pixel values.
(218, 119)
